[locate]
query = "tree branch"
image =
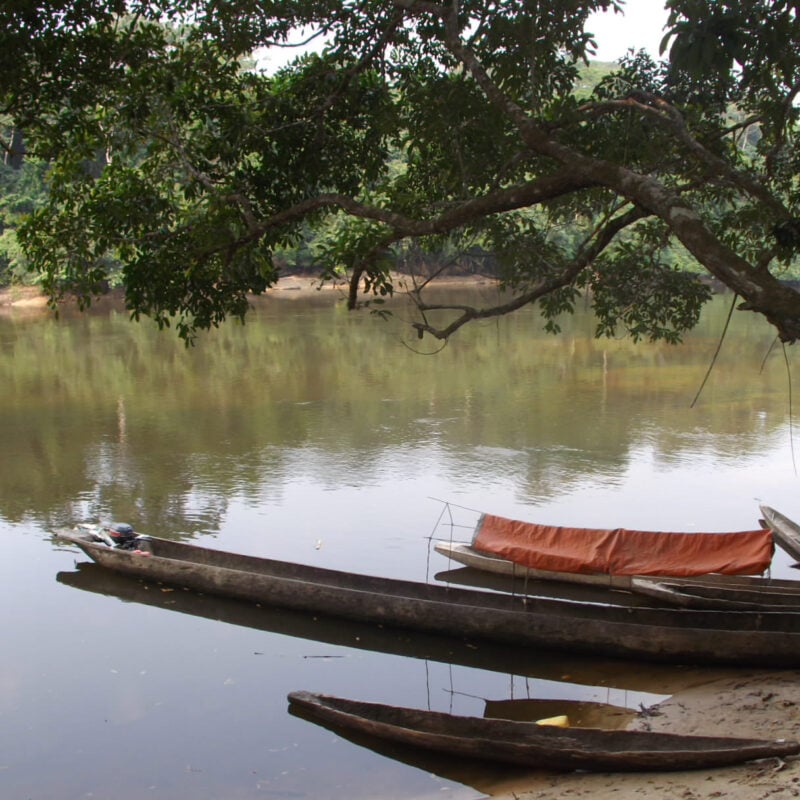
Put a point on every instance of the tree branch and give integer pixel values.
(761, 291)
(669, 117)
(564, 278)
(522, 195)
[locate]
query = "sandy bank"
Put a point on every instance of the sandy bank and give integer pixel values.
(30, 298)
(758, 704)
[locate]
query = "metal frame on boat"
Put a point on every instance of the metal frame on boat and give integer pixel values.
(673, 635)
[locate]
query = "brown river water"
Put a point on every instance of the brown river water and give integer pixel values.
(315, 435)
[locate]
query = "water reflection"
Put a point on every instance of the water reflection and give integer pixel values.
(108, 418)
(317, 436)
(635, 681)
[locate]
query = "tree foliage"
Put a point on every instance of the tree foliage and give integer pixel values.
(414, 123)
(22, 190)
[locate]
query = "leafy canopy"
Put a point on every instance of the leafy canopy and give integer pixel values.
(450, 126)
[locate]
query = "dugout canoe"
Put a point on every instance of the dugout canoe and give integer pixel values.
(537, 746)
(785, 531)
(611, 557)
(673, 635)
(732, 592)
(320, 629)
(464, 553)
(716, 592)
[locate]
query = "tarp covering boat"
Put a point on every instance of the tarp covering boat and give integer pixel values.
(617, 551)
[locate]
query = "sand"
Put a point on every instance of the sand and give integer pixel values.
(757, 704)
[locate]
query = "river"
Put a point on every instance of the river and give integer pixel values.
(325, 437)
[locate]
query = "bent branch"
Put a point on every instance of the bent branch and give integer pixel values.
(760, 290)
(564, 278)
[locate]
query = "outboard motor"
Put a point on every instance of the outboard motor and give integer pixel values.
(121, 534)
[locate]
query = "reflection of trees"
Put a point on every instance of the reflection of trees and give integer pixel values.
(102, 416)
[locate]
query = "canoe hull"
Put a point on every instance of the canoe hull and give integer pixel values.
(669, 635)
(536, 746)
(722, 592)
(785, 532)
(465, 554)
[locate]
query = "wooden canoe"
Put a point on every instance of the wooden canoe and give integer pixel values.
(785, 532)
(732, 592)
(318, 627)
(768, 595)
(673, 635)
(538, 746)
(466, 554)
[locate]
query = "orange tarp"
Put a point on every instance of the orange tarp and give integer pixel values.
(622, 552)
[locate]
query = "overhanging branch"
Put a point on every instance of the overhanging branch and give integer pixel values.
(668, 117)
(760, 290)
(511, 198)
(604, 236)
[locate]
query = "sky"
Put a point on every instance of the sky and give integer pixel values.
(642, 26)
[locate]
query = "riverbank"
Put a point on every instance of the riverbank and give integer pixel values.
(757, 704)
(29, 299)
(21, 298)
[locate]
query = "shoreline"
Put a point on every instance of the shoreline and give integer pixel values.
(21, 297)
(751, 704)
(30, 298)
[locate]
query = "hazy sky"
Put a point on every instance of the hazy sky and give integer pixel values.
(642, 26)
